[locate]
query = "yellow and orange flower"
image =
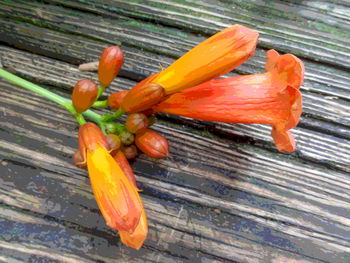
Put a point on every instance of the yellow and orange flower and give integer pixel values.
(116, 196)
(270, 98)
(210, 59)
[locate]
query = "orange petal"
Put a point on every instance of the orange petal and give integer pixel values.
(116, 196)
(214, 57)
(125, 166)
(138, 237)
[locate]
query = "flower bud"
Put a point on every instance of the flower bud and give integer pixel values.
(78, 160)
(84, 94)
(115, 100)
(111, 127)
(127, 137)
(136, 122)
(130, 151)
(152, 143)
(113, 142)
(142, 97)
(110, 63)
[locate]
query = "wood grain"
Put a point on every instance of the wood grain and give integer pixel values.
(225, 194)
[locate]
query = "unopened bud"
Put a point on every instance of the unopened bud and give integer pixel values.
(142, 97)
(136, 122)
(111, 127)
(84, 94)
(115, 100)
(113, 142)
(110, 63)
(152, 143)
(127, 137)
(78, 160)
(130, 151)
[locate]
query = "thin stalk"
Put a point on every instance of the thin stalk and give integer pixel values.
(100, 104)
(53, 97)
(115, 115)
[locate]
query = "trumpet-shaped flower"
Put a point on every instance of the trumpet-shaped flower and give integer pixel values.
(212, 58)
(270, 98)
(116, 196)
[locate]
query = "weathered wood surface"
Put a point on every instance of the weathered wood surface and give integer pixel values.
(226, 194)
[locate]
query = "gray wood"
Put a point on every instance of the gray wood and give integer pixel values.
(225, 194)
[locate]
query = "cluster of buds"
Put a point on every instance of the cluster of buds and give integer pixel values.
(188, 87)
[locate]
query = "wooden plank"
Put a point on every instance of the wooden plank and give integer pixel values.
(281, 25)
(224, 195)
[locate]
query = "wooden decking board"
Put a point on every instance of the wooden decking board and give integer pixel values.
(226, 194)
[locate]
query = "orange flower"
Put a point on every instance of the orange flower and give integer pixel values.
(214, 57)
(270, 98)
(116, 196)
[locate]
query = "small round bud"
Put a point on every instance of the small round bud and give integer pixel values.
(127, 137)
(113, 142)
(84, 94)
(152, 143)
(111, 61)
(136, 122)
(115, 100)
(78, 160)
(130, 151)
(111, 127)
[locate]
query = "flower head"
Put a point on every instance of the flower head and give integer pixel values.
(270, 98)
(212, 58)
(116, 196)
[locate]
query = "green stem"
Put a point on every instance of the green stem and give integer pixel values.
(35, 88)
(53, 97)
(115, 115)
(100, 91)
(100, 104)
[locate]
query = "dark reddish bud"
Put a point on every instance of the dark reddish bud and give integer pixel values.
(130, 151)
(78, 160)
(136, 122)
(152, 143)
(143, 96)
(110, 63)
(113, 142)
(124, 164)
(127, 137)
(84, 94)
(115, 100)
